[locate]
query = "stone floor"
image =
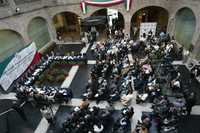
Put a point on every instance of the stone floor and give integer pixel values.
(11, 122)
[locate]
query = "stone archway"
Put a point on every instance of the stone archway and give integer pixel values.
(185, 26)
(149, 14)
(10, 42)
(119, 24)
(38, 32)
(68, 26)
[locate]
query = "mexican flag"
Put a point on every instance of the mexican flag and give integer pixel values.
(128, 4)
(83, 7)
(104, 3)
(15, 65)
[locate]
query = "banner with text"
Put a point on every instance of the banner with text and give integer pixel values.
(147, 27)
(17, 65)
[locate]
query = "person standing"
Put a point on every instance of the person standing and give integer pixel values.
(47, 113)
(190, 102)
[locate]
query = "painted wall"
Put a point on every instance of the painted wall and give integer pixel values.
(185, 27)
(47, 9)
(149, 14)
(10, 42)
(38, 32)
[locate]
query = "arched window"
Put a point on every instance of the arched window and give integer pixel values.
(117, 24)
(10, 43)
(67, 25)
(38, 32)
(149, 14)
(103, 12)
(185, 24)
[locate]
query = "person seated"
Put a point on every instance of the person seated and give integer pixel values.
(88, 94)
(104, 116)
(195, 71)
(70, 58)
(67, 126)
(149, 36)
(121, 125)
(98, 128)
(101, 94)
(51, 97)
(79, 128)
(144, 130)
(147, 69)
(146, 121)
(125, 99)
(128, 112)
(124, 122)
(115, 96)
(176, 82)
(175, 85)
(143, 38)
(84, 104)
(140, 128)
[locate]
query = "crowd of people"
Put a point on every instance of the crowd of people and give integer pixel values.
(85, 119)
(116, 75)
(26, 89)
(123, 68)
(168, 113)
(33, 73)
(44, 96)
(112, 63)
(150, 72)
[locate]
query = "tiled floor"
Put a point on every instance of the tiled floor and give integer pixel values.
(16, 124)
(80, 80)
(190, 124)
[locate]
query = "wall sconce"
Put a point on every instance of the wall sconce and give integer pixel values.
(17, 9)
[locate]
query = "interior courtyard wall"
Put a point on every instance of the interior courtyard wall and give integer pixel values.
(194, 5)
(49, 8)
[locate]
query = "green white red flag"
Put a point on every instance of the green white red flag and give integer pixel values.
(104, 3)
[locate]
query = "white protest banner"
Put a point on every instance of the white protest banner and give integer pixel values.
(146, 27)
(19, 63)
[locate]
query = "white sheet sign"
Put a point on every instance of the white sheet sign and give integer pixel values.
(20, 62)
(146, 27)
